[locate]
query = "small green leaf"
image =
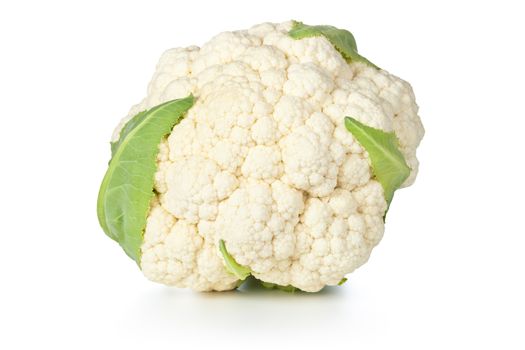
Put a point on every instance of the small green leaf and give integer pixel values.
(127, 188)
(288, 289)
(342, 281)
(388, 164)
(241, 272)
(342, 40)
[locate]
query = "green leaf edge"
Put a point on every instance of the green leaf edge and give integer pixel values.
(382, 148)
(288, 289)
(239, 271)
(342, 281)
(342, 39)
(187, 102)
(243, 272)
(127, 128)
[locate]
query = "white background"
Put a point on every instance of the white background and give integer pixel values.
(449, 273)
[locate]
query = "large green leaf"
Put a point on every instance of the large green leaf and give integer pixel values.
(388, 164)
(127, 188)
(241, 272)
(342, 40)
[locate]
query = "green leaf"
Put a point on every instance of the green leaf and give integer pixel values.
(241, 272)
(342, 40)
(342, 281)
(127, 188)
(126, 129)
(288, 289)
(388, 164)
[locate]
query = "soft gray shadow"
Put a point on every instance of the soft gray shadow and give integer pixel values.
(249, 309)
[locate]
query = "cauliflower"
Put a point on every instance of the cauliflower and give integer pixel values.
(272, 152)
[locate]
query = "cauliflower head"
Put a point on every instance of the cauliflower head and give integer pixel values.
(262, 174)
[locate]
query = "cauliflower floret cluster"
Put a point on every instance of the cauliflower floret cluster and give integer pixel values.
(263, 161)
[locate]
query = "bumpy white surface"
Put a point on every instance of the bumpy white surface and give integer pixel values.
(263, 161)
